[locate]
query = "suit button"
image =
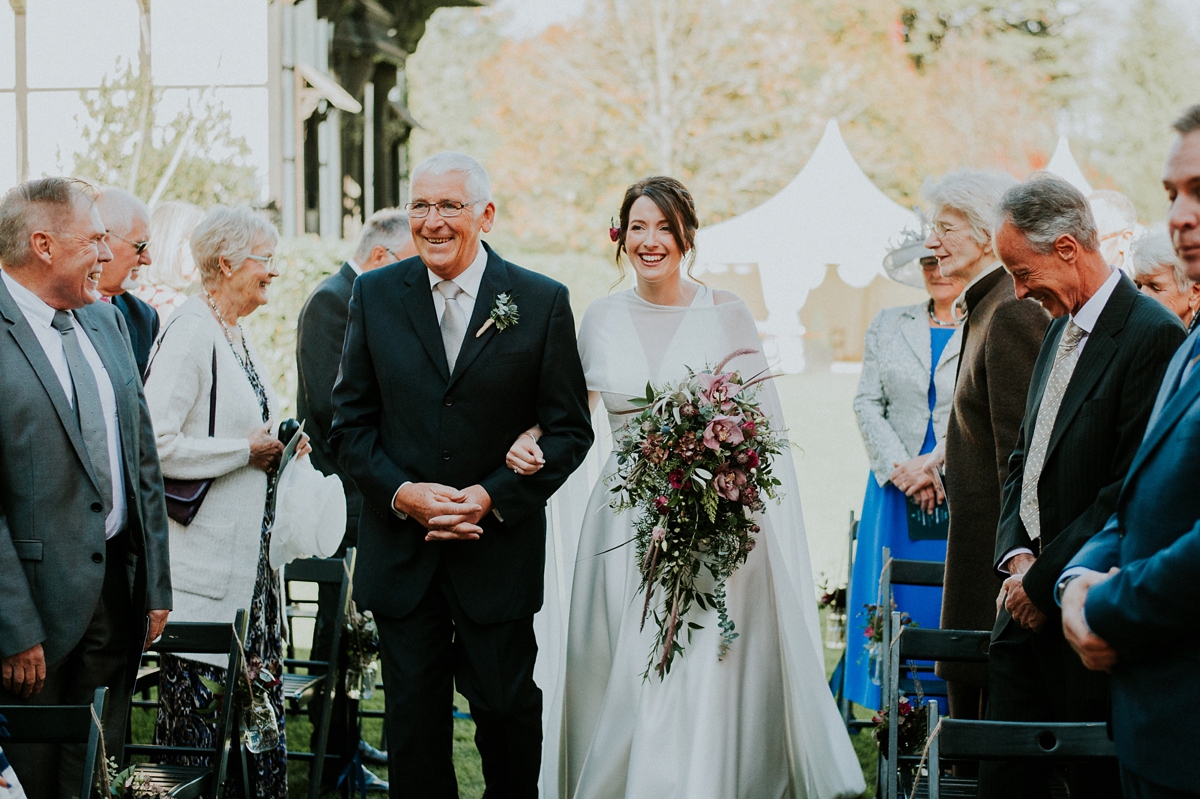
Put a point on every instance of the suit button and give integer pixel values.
(97, 507)
(446, 455)
(97, 557)
(448, 402)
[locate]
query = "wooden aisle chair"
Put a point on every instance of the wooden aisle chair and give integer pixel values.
(915, 643)
(323, 673)
(903, 572)
(192, 782)
(844, 704)
(62, 724)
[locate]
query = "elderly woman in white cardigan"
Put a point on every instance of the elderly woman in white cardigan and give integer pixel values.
(903, 406)
(219, 561)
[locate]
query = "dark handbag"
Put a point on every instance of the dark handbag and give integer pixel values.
(184, 497)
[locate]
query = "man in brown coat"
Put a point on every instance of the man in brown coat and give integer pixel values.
(1001, 340)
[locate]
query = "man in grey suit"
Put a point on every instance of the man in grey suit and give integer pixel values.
(83, 525)
(385, 239)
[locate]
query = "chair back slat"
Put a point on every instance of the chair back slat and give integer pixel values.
(918, 572)
(315, 570)
(1003, 740)
(951, 646)
(195, 638)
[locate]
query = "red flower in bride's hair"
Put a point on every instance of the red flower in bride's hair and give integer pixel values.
(614, 233)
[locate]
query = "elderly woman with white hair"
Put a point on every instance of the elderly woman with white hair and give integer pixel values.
(214, 415)
(1160, 274)
(1000, 343)
(166, 283)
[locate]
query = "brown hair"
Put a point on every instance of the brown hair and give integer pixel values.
(675, 202)
(1189, 122)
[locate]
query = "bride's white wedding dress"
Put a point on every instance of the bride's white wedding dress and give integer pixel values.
(760, 724)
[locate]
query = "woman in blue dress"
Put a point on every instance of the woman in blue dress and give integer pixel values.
(910, 359)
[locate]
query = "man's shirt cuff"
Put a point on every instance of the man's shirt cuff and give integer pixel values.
(1012, 553)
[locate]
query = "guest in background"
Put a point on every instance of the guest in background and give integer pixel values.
(1116, 224)
(220, 560)
(385, 238)
(83, 527)
(1000, 342)
(1089, 400)
(909, 361)
(172, 277)
(128, 222)
(1129, 597)
(1158, 273)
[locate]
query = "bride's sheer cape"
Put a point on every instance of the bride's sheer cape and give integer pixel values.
(762, 722)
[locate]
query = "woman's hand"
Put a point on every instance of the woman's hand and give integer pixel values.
(910, 476)
(265, 449)
(525, 456)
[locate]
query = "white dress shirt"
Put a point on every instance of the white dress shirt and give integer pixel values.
(40, 317)
(358, 270)
(1086, 319)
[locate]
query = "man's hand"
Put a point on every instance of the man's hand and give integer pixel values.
(933, 467)
(158, 620)
(1020, 605)
(437, 506)
(462, 527)
(1096, 653)
(25, 672)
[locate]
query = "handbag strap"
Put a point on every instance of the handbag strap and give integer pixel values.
(212, 394)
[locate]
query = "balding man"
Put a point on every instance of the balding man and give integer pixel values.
(127, 221)
(84, 572)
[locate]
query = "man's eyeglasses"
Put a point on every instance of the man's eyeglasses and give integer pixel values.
(138, 246)
(420, 210)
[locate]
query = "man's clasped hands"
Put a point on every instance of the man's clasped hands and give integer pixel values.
(448, 514)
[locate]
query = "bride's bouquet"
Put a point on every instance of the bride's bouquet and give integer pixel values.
(695, 463)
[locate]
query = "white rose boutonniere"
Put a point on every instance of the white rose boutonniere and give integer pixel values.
(505, 314)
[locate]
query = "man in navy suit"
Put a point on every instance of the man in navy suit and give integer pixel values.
(128, 223)
(1130, 597)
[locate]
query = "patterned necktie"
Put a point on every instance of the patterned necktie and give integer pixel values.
(87, 407)
(1060, 377)
(454, 322)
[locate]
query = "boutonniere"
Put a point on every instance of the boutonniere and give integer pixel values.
(504, 315)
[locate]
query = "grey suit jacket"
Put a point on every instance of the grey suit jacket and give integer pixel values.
(892, 404)
(52, 543)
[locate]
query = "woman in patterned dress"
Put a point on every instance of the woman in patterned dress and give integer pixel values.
(219, 562)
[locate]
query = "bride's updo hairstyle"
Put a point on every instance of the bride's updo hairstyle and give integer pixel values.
(675, 202)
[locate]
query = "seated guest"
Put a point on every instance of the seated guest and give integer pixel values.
(1116, 224)
(1000, 343)
(220, 560)
(1160, 274)
(1129, 596)
(1093, 387)
(128, 221)
(84, 578)
(167, 282)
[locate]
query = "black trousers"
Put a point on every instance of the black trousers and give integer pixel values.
(1038, 677)
(424, 655)
(102, 657)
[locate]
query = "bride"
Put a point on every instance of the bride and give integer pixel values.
(760, 723)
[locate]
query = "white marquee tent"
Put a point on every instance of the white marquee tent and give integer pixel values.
(1063, 164)
(830, 213)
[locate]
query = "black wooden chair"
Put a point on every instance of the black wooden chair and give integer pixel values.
(897, 571)
(192, 782)
(321, 679)
(910, 644)
(61, 724)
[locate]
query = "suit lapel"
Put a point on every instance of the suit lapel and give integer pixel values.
(1167, 413)
(127, 406)
(418, 302)
(495, 281)
(918, 339)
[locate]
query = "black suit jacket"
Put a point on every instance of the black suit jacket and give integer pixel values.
(1096, 433)
(320, 332)
(142, 322)
(401, 416)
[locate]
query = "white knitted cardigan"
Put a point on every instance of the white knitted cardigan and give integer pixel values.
(214, 560)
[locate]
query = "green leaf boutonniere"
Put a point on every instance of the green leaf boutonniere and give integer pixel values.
(505, 314)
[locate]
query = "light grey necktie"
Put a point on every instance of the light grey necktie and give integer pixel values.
(1060, 377)
(454, 322)
(87, 407)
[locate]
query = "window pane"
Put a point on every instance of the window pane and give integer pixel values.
(216, 41)
(74, 44)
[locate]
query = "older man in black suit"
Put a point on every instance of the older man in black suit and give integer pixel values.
(385, 239)
(128, 223)
(1092, 390)
(435, 386)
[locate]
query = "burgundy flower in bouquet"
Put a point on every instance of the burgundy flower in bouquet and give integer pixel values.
(694, 464)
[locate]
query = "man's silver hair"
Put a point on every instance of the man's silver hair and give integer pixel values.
(971, 192)
(118, 208)
(1045, 208)
(1153, 253)
(387, 227)
(478, 185)
(1114, 212)
(39, 204)
(229, 233)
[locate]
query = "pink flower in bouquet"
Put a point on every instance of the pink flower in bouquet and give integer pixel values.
(723, 430)
(749, 545)
(728, 482)
(658, 534)
(676, 479)
(750, 495)
(661, 504)
(748, 458)
(717, 389)
(869, 632)
(652, 448)
(749, 428)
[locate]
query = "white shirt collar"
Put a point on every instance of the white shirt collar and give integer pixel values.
(470, 279)
(358, 270)
(35, 309)
(1090, 312)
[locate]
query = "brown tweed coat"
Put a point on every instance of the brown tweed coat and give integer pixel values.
(1000, 344)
